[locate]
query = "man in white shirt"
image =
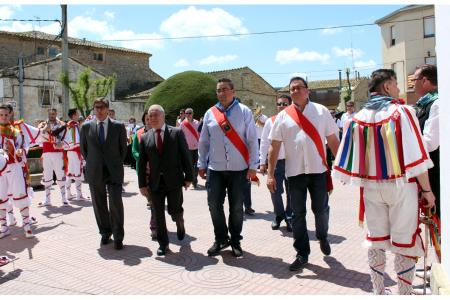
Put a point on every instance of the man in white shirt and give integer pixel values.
(280, 212)
(306, 167)
(350, 105)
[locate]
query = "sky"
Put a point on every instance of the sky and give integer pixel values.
(156, 29)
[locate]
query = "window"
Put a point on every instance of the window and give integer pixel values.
(431, 60)
(52, 52)
(44, 96)
(40, 51)
(393, 35)
(98, 56)
(394, 67)
(428, 27)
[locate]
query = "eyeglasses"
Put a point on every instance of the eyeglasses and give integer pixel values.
(188, 113)
(282, 104)
(295, 88)
(99, 107)
(218, 91)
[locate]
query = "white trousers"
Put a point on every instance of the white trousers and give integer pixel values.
(52, 162)
(12, 185)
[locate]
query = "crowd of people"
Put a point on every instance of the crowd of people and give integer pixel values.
(388, 149)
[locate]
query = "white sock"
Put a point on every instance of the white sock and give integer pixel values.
(405, 266)
(377, 264)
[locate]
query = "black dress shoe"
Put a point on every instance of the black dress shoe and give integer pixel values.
(276, 223)
(162, 250)
(249, 211)
(325, 247)
(298, 263)
(181, 232)
(236, 250)
(216, 247)
(118, 245)
(289, 225)
(106, 239)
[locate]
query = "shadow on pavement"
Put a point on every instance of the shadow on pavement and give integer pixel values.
(190, 260)
(338, 274)
(131, 255)
(332, 239)
(52, 212)
(129, 194)
(259, 264)
(5, 277)
(268, 216)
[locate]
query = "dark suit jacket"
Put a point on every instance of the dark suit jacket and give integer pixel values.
(174, 164)
(108, 157)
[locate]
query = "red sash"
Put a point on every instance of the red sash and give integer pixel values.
(312, 132)
(273, 118)
(231, 133)
(139, 133)
(191, 129)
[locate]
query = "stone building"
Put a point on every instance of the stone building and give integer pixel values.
(250, 88)
(408, 41)
(130, 66)
(327, 93)
(41, 87)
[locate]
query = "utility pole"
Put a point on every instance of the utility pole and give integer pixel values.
(340, 80)
(21, 78)
(65, 59)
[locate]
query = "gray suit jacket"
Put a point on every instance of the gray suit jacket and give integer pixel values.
(174, 164)
(104, 161)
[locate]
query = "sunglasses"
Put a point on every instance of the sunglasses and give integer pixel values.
(282, 104)
(188, 113)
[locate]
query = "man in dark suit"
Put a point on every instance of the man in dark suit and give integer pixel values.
(163, 152)
(103, 144)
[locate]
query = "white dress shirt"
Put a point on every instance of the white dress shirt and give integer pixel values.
(431, 128)
(105, 126)
(265, 143)
(301, 153)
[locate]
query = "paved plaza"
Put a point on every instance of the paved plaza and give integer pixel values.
(65, 257)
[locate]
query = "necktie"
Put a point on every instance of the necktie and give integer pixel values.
(101, 133)
(159, 143)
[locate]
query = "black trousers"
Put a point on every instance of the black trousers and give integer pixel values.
(174, 208)
(194, 157)
(109, 221)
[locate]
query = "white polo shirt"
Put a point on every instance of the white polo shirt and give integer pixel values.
(301, 153)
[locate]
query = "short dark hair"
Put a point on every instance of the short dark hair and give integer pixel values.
(284, 96)
(9, 107)
(51, 109)
(102, 101)
(298, 78)
(350, 103)
(71, 112)
(378, 77)
(143, 116)
(227, 81)
(430, 72)
(4, 106)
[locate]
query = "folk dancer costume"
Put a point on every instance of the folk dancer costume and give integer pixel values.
(428, 115)
(71, 140)
(382, 151)
(30, 135)
(53, 161)
(12, 180)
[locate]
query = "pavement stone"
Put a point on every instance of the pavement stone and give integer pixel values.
(65, 256)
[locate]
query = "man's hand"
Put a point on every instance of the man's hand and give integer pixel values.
(19, 152)
(263, 169)
(251, 173)
(429, 199)
(144, 191)
(271, 183)
(187, 184)
(202, 173)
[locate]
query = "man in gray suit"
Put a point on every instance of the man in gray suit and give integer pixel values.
(103, 144)
(164, 152)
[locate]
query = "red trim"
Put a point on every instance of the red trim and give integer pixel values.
(404, 280)
(299, 118)
(378, 239)
(364, 177)
(418, 136)
(191, 129)
(415, 163)
(394, 116)
(362, 207)
(231, 133)
(17, 199)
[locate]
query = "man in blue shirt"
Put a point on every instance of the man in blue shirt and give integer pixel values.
(228, 158)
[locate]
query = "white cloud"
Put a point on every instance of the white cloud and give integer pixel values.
(347, 52)
(83, 24)
(287, 56)
(212, 59)
(140, 41)
(194, 22)
(5, 12)
(109, 14)
(365, 64)
(182, 63)
(330, 31)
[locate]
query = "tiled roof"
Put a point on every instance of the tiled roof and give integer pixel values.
(325, 84)
(247, 69)
(74, 41)
(401, 10)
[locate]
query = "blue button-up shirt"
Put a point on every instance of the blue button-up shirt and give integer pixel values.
(216, 151)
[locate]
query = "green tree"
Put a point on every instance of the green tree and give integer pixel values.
(192, 89)
(85, 90)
